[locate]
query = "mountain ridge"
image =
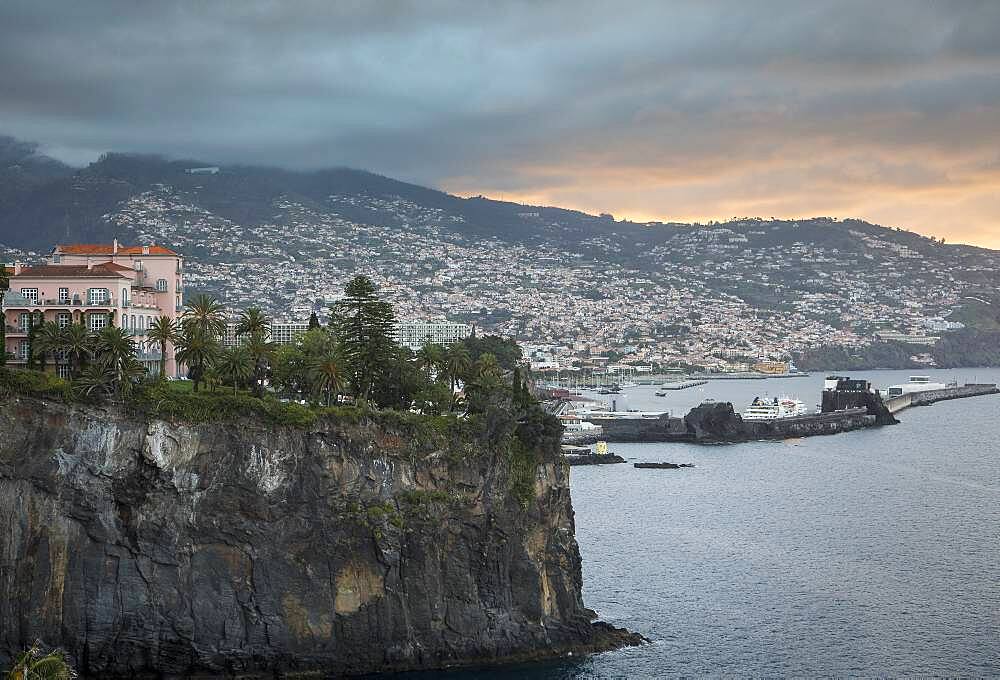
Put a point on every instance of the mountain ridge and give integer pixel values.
(55, 202)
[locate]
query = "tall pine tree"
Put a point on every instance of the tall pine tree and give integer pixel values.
(363, 323)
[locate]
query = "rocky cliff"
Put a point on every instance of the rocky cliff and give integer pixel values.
(150, 548)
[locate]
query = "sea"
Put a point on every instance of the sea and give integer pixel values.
(866, 553)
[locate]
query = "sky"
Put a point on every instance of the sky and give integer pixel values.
(673, 111)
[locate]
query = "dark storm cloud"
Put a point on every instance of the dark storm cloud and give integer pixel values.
(563, 101)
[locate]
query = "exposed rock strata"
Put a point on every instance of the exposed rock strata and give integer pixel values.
(146, 548)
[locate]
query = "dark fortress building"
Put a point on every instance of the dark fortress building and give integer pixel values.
(840, 393)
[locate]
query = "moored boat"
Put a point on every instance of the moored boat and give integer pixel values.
(774, 409)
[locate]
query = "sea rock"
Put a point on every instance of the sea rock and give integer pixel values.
(715, 421)
(593, 459)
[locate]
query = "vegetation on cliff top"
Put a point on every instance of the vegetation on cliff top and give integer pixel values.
(348, 372)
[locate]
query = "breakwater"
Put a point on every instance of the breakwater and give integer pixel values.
(718, 422)
(903, 401)
(682, 384)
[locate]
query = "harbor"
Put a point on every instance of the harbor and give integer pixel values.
(842, 403)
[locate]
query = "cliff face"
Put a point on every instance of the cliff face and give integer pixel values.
(143, 547)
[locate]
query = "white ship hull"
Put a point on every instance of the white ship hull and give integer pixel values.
(774, 409)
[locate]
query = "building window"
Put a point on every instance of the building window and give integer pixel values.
(97, 321)
(138, 265)
(161, 285)
(97, 296)
(31, 294)
(56, 259)
(24, 321)
(22, 350)
(64, 296)
(64, 319)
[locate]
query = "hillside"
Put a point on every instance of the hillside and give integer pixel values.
(661, 293)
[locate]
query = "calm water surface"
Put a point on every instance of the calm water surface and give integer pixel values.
(866, 553)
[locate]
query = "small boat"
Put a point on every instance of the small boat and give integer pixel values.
(661, 393)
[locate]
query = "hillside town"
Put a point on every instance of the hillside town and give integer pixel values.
(714, 297)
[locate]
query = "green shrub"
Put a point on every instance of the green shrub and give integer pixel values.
(522, 465)
(35, 384)
(161, 401)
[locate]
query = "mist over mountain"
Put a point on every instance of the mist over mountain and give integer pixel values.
(44, 201)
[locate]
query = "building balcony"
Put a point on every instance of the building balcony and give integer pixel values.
(14, 330)
(46, 304)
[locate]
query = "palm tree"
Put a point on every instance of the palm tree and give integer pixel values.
(97, 377)
(430, 357)
(457, 363)
(33, 325)
(48, 340)
(130, 373)
(327, 378)
(236, 364)
(261, 352)
(115, 349)
(162, 330)
(78, 343)
(206, 314)
(487, 365)
(33, 665)
(197, 349)
(114, 346)
(253, 322)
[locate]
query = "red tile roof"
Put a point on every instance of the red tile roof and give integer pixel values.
(54, 271)
(117, 267)
(108, 249)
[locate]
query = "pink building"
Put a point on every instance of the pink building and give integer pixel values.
(97, 285)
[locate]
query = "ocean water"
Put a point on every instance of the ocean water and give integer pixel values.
(874, 552)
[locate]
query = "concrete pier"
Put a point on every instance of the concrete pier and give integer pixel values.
(903, 401)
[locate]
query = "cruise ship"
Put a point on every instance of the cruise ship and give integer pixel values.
(784, 407)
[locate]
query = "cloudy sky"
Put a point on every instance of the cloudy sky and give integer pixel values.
(884, 110)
